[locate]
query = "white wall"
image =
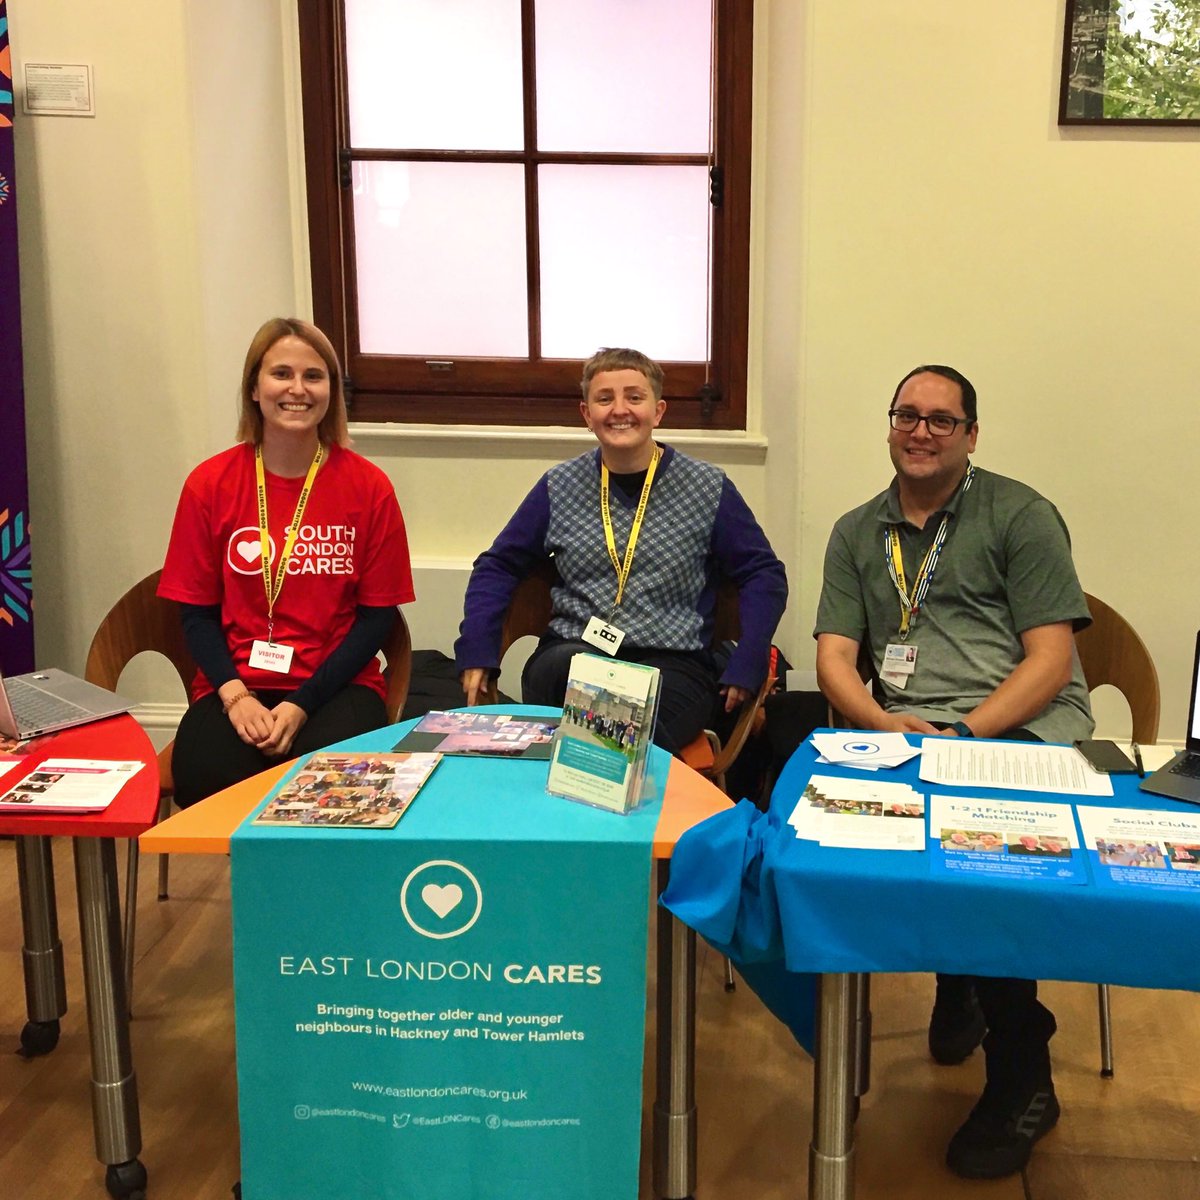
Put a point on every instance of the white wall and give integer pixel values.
(913, 200)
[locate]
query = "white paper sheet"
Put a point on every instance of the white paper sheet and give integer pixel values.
(70, 785)
(1014, 766)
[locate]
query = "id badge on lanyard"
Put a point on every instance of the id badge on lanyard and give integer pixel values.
(900, 658)
(270, 655)
(604, 635)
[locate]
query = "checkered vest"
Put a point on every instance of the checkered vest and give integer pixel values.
(671, 565)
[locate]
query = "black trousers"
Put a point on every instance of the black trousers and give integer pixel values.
(209, 755)
(687, 692)
(1019, 1025)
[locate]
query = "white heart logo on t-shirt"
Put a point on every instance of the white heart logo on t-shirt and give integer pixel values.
(244, 553)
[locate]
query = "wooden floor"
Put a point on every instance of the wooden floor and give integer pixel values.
(1135, 1135)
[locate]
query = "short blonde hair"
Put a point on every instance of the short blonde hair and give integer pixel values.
(332, 429)
(618, 358)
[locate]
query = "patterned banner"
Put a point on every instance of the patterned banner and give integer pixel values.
(16, 615)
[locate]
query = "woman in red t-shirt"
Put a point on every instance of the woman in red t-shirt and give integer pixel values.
(286, 647)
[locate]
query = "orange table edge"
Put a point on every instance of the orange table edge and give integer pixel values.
(206, 828)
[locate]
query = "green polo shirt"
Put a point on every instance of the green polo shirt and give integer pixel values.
(1005, 567)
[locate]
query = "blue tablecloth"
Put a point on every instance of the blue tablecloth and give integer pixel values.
(865, 910)
(750, 886)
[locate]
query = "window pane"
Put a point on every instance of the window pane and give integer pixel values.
(623, 75)
(440, 253)
(433, 75)
(623, 260)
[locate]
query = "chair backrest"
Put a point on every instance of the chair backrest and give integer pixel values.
(1111, 652)
(141, 620)
(397, 657)
(530, 609)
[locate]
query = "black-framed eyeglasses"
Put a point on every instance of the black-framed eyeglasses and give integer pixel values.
(939, 424)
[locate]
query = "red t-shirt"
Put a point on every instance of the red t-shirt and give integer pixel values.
(351, 549)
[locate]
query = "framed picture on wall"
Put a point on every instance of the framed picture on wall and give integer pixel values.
(1131, 62)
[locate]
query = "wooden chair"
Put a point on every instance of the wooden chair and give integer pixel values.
(1111, 652)
(142, 621)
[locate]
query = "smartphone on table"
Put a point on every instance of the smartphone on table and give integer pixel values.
(1106, 756)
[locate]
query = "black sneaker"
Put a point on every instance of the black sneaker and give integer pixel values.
(997, 1138)
(956, 1025)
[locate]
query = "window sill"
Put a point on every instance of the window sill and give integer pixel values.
(515, 441)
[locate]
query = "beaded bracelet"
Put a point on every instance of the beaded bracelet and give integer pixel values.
(237, 699)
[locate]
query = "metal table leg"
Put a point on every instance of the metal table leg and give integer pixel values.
(831, 1155)
(862, 1037)
(114, 1085)
(42, 953)
(675, 1101)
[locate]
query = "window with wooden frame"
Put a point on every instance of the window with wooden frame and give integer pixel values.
(496, 188)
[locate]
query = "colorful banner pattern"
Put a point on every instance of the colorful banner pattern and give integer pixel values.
(455, 1007)
(16, 605)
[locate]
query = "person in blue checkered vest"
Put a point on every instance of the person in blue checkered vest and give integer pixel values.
(640, 536)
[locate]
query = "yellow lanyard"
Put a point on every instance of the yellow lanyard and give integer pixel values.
(273, 588)
(623, 568)
(910, 604)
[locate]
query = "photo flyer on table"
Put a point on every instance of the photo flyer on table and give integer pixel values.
(68, 785)
(860, 814)
(1142, 847)
(602, 744)
(1018, 839)
(492, 735)
(349, 790)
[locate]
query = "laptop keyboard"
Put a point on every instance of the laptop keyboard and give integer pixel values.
(1188, 767)
(35, 709)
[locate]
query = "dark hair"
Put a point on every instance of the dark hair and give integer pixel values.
(969, 402)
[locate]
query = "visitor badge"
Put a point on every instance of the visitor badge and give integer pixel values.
(899, 658)
(271, 656)
(603, 636)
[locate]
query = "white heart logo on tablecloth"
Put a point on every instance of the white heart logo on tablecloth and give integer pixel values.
(442, 900)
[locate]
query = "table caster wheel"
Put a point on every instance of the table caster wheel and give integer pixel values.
(38, 1037)
(126, 1181)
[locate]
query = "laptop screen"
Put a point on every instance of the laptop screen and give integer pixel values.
(1193, 725)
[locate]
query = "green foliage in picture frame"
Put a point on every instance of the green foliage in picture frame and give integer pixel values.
(1133, 61)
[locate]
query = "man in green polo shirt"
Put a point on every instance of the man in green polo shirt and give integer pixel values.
(958, 586)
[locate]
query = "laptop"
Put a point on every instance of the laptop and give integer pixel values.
(50, 700)
(1180, 778)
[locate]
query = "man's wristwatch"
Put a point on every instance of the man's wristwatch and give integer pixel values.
(963, 729)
